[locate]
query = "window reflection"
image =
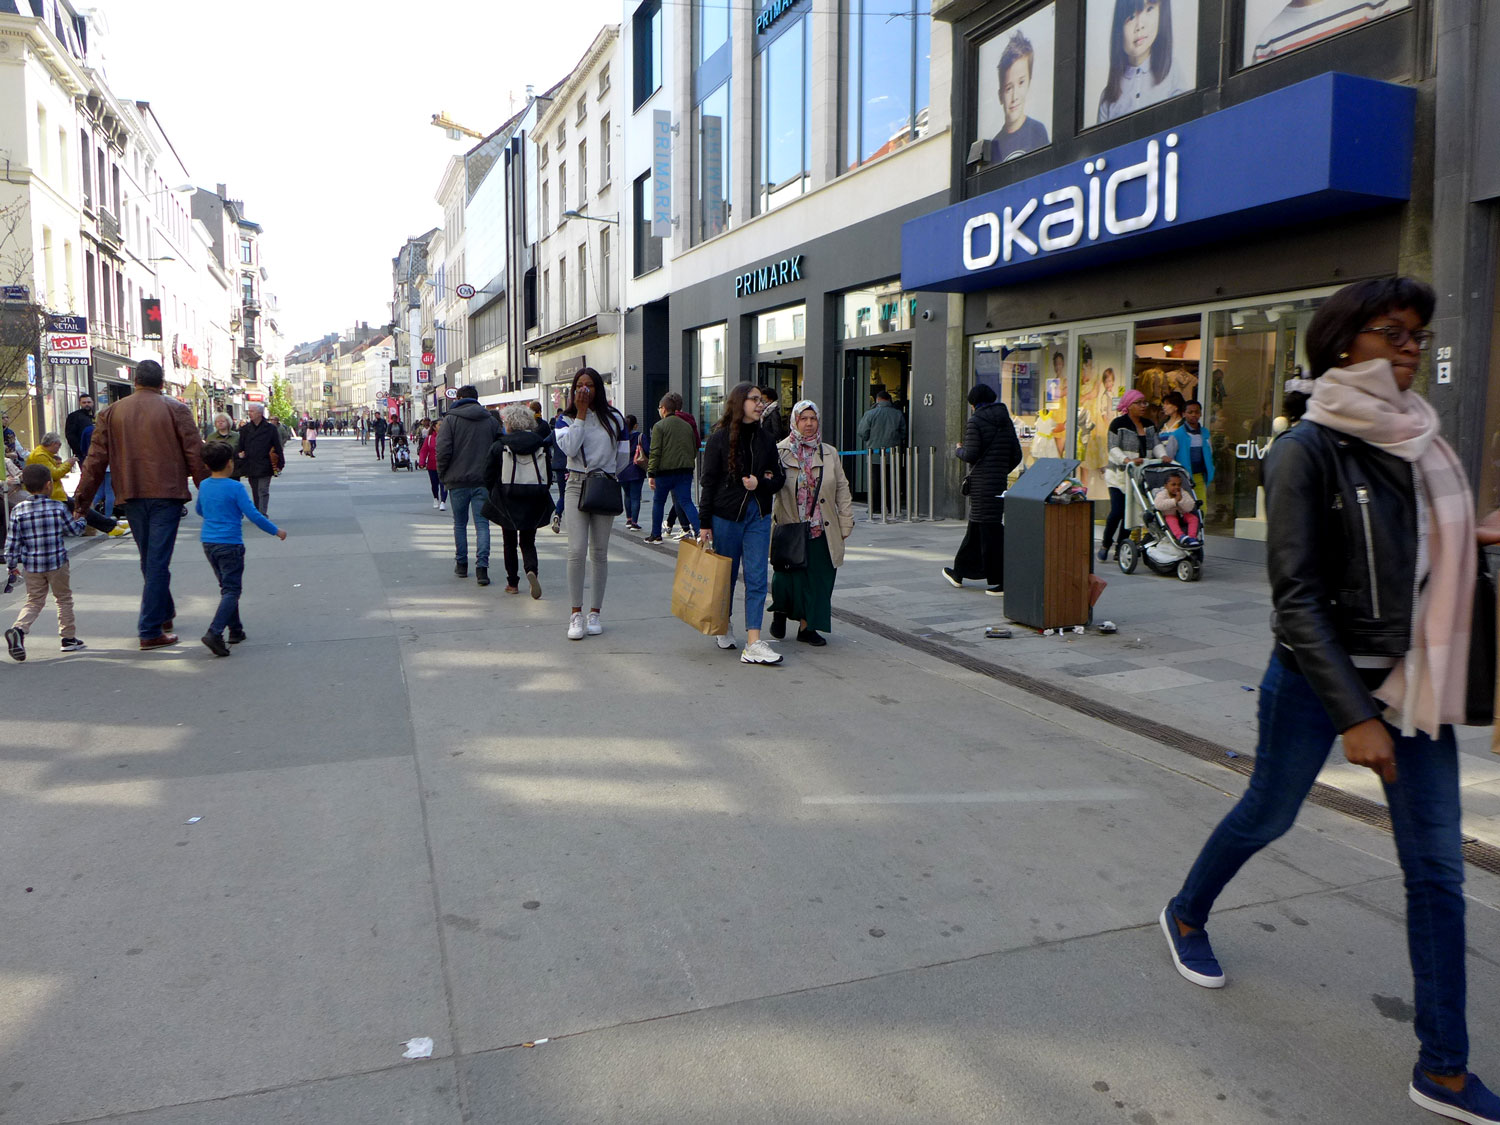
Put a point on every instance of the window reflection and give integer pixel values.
(713, 166)
(887, 57)
(708, 355)
(784, 123)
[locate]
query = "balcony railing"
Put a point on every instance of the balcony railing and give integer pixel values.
(109, 228)
(109, 337)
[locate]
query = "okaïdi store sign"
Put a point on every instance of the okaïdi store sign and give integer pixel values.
(1336, 144)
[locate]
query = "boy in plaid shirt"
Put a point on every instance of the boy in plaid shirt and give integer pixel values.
(34, 542)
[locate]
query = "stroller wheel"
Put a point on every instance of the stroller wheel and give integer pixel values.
(1129, 555)
(1188, 571)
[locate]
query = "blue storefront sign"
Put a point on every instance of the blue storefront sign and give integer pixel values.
(1327, 146)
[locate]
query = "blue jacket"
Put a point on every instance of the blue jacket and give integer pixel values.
(1180, 450)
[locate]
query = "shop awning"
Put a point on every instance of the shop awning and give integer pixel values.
(1327, 146)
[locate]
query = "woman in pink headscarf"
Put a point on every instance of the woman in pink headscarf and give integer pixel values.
(1131, 440)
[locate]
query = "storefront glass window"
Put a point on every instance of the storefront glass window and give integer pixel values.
(878, 309)
(709, 359)
(1103, 376)
(713, 163)
(784, 328)
(784, 124)
(1028, 371)
(713, 29)
(887, 55)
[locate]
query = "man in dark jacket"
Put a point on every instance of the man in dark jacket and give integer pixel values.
(672, 454)
(992, 448)
(883, 428)
(78, 421)
(772, 420)
(260, 456)
(464, 438)
(380, 429)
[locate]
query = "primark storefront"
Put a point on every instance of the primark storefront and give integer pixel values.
(1148, 247)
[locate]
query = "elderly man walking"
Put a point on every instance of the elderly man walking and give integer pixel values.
(260, 456)
(150, 446)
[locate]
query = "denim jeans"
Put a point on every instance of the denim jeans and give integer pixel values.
(633, 499)
(107, 495)
(153, 526)
(747, 544)
(680, 487)
(562, 493)
(461, 501)
(1295, 737)
(228, 561)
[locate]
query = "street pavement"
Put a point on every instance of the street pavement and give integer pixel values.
(868, 885)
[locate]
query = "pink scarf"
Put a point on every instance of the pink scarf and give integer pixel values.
(1429, 686)
(807, 451)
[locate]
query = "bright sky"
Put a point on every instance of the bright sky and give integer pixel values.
(317, 115)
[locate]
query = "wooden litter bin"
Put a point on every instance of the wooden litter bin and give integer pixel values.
(1048, 550)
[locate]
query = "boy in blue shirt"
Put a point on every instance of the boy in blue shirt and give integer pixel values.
(224, 502)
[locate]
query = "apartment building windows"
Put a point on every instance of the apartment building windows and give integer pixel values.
(583, 279)
(605, 274)
(711, 25)
(647, 249)
(583, 108)
(247, 289)
(546, 208)
(646, 39)
(87, 168)
(247, 252)
(606, 146)
(886, 77)
(562, 292)
(562, 186)
(41, 141)
(583, 175)
(603, 80)
(783, 121)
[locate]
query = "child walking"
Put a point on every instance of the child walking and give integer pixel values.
(34, 542)
(224, 502)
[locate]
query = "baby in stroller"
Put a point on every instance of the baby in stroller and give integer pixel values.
(1179, 510)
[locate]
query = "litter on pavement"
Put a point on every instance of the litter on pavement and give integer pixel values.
(419, 1048)
(194, 819)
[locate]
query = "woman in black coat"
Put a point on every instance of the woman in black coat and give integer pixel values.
(992, 448)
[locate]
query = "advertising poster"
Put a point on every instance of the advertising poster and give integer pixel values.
(1137, 53)
(1015, 74)
(1275, 27)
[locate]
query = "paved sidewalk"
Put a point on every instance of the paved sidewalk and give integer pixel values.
(1187, 654)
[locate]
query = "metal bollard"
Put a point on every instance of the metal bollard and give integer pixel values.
(931, 482)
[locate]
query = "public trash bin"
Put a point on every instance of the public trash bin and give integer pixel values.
(1048, 549)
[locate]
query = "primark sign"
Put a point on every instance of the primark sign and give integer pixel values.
(1326, 146)
(769, 276)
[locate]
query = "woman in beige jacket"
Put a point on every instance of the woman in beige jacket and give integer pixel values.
(816, 491)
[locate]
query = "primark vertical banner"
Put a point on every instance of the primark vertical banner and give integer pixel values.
(661, 174)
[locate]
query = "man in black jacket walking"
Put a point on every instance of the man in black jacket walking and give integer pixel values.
(380, 428)
(260, 456)
(992, 448)
(78, 421)
(464, 438)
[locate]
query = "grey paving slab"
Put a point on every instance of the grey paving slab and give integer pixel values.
(1093, 1030)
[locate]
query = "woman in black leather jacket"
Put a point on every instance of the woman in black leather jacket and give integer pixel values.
(1371, 551)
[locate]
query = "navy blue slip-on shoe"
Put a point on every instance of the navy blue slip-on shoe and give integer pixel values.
(1191, 953)
(1475, 1103)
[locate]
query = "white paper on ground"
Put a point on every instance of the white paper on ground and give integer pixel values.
(419, 1048)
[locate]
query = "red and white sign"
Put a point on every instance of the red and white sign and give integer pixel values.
(68, 347)
(424, 375)
(464, 292)
(429, 358)
(254, 396)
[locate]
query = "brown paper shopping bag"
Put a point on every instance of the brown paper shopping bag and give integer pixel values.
(700, 591)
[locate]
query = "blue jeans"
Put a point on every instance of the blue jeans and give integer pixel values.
(461, 501)
(153, 526)
(1295, 737)
(633, 499)
(746, 543)
(562, 492)
(228, 561)
(680, 487)
(107, 495)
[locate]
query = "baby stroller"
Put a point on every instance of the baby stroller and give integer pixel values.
(400, 454)
(1154, 541)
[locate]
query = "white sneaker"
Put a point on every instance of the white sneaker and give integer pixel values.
(435, 501)
(442, 505)
(575, 627)
(556, 524)
(727, 641)
(594, 628)
(760, 653)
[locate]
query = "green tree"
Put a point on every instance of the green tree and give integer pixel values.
(280, 405)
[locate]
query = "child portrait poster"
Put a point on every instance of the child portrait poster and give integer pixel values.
(1275, 27)
(1162, 35)
(1029, 49)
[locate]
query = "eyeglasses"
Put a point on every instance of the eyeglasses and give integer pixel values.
(754, 398)
(1399, 337)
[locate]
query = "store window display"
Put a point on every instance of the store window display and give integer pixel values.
(1027, 372)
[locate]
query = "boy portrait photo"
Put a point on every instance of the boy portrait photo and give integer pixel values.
(1015, 87)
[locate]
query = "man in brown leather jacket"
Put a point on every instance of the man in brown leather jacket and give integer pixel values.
(151, 447)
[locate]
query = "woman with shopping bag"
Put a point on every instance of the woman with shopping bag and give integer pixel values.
(816, 507)
(742, 474)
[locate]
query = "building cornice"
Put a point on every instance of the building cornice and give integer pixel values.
(27, 33)
(601, 46)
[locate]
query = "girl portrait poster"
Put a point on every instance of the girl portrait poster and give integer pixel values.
(1137, 53)
(1274, 27)
(1015, 75)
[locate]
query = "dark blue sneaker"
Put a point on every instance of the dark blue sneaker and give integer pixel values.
(1192, 954)
(1475, 1103)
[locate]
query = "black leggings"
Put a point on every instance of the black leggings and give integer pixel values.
(1116, 517)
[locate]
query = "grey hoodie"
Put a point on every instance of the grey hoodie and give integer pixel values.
(463, 444)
